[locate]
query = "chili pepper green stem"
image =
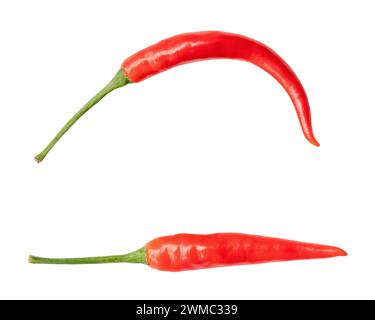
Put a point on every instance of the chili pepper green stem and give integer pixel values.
(118, 81)
(138, 256)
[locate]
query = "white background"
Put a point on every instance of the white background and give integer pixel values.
(207, 147)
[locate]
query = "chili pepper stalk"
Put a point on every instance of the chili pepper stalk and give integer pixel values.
(118, 81)
(138, 256)
(182, 252)
(197, 46)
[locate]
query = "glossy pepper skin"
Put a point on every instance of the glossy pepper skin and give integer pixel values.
(191, 251)
(183, 252)
(196, 46)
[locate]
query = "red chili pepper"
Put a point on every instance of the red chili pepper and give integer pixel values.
(190, 47)
(193, 251)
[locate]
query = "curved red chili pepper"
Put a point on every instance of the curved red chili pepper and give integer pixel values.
(190, 47)
(194, 251)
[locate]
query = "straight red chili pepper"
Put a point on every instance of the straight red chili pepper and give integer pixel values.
(190, 47)
(193, 251)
